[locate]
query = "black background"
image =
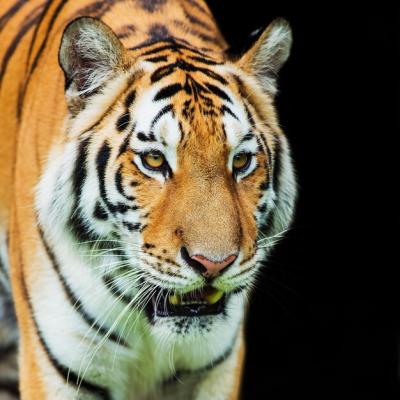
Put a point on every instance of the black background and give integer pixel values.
(323, 318)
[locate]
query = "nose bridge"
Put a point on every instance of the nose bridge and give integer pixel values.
(211, 225)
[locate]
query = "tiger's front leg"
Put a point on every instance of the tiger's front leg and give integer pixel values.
(223, 382)
(218, 381)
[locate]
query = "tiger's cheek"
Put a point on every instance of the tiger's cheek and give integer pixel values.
(250, 193)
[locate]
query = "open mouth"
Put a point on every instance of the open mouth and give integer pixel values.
(204, 301)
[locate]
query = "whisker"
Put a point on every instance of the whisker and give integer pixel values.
(105, 338)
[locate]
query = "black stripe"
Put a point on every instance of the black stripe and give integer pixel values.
(118, 184)
(10, 13)
(249, 116)
(213, 75)
(245, 96)
(181, 131)
(77, 224)
(156, 59)
(99, 212)
(168, 91)
(269, 154)
(162, 72)
(42, 46)
(218, 92)
(101, 163)
(130, 99)
(125, 144)
(7, 350)
(277, 167)
(204, 60)
(79, 174)
(247, 137)
(123, 121)
(224, 108)
(261, 138)
(145, 225)
(172, 46)
(132, 227)
(179, 374)
(11, 387)
(267, 225)
(166, 70)
(188, 29)
(198, 6)
(144, 138)
(80, 228)
(30, 21)
(66, 373)
(268, 151)
(196, 21)
(97, 8)
(126, 31)
(33, 40)
(76, 304)
(3, 268)
(46, 35)
(264, 185)
(168, 108)
(262, 208)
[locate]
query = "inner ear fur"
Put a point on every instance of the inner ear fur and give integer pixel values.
(267, 56)
(90, 53)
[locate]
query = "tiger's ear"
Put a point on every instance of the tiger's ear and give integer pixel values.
(266, 57)
(89, 55)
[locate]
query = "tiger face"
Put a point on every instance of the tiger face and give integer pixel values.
(181, 175)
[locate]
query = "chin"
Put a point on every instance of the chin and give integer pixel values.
(196, 323)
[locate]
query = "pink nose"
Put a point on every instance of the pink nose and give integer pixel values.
(214, 268)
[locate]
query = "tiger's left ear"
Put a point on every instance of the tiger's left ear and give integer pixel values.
(90, 54)
(267, 56)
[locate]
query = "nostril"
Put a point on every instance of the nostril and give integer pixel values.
(193, 263)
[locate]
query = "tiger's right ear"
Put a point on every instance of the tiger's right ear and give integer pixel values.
(90, 53)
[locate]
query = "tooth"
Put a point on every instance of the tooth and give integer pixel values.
(174, 299)
(215, 296)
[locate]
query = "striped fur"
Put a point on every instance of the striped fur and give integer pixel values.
(87, 89)
(8, 330)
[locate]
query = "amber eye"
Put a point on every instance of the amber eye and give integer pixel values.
(241, 161)
(153, 160)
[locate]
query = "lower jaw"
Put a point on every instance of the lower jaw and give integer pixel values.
(160, 306)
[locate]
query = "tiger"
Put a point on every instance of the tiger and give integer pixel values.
(145, 179)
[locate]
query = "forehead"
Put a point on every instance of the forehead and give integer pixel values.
(188, 98)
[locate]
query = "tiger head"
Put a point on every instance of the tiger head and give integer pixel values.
(181, 172)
